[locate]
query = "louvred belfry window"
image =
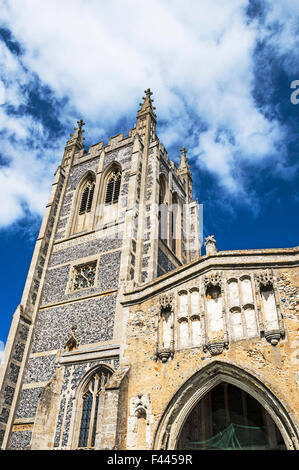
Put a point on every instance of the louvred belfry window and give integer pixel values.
(113, 187)
(86, 198)
(90, 408)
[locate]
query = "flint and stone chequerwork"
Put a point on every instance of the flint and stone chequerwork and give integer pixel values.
(125, 330)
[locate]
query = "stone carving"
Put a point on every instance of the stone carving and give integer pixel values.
(73, 341)
(164, 354)
(166, 301)
(264, 278)
(215, 348)
(273, 337)
(210, 244)
(214, 279)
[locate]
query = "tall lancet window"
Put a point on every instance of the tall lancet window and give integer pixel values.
(90, 408)
(113, 187)
(83, 215)
(86, 197)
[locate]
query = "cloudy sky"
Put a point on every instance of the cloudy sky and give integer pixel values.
(221, 74)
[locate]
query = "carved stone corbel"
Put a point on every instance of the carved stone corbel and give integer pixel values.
(273, 337)
(164, 354)
(215, 348)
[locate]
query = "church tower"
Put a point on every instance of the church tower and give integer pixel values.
(119, 216)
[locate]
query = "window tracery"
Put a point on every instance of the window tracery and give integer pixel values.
(84, 276)
(90, 408)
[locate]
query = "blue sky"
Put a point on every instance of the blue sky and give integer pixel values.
(221, 74)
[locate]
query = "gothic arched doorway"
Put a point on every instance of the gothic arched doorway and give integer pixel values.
(258, 394)
(228, 418)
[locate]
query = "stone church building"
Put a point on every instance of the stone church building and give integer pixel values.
(127, 336)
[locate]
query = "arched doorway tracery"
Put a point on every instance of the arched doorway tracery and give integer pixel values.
(228, 418)
(169, 429)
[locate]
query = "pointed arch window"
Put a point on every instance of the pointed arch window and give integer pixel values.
(113, 187)
(87, 197)
(92, 393)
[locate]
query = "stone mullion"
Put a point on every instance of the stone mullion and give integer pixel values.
(277, 305)
(96, 208)
(205, 337)
(93, 407)
(257, 301)
(244, 327)
(224, 309)
(227, 306)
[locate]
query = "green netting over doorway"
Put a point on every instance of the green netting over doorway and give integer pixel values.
(234, 437)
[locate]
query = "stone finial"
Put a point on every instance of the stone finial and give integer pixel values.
(147, 105)
(210, 244)
(77, 137)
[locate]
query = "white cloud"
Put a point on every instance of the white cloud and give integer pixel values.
(2, 92)
(198, 58)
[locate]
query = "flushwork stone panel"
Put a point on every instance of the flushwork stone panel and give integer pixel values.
(85, 249)
(55, 284)
(20, 440)
(40, 369)
(109, 270)
(28, 402)
(94, 319)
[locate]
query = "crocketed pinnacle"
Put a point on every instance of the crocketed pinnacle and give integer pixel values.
(183, 165)
(147, 105)
(77, 137)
